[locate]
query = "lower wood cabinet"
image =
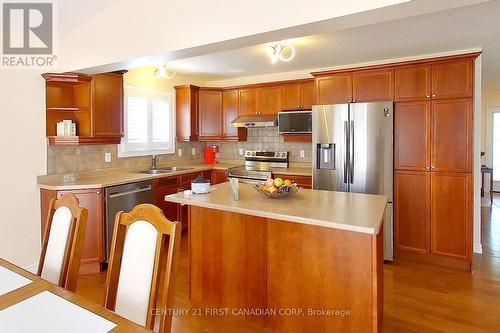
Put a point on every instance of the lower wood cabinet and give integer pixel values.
(411, 211)
(302, 181)
(433, 217)
(93, 246)
(451, 214)
(219, 176)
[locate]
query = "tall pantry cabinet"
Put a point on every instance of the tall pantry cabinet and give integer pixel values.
(433, 156)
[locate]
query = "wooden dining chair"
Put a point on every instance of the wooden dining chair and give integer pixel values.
(63, 240)
(142, 267)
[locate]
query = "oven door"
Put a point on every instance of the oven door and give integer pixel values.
(249, 180)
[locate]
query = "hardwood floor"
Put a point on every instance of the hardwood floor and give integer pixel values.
(417, 297)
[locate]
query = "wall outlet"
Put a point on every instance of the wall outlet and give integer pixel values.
(179, 152)
(240, 151)
(107, 157)
(302, 153)
(193, 151)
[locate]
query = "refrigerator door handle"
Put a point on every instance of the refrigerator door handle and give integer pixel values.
(351, 164)
(346, 136)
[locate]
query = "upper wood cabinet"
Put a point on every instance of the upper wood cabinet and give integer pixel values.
(94, 103)
(107, 103)
(453, 79)
(229, 111)
(412, 136)
(373, 85)
(411, 211)
(187, 113)
(210, 113)
(296, 96)
(334, 89)
(269, 100)
(443, 80)
(412, 83)
(247, 102)
(451, 145)
(451, 214)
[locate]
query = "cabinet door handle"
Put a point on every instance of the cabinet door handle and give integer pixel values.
(433, 167)
(98, 192)
(427, 168)
(433, 95)
(428, 96)
(354, 101)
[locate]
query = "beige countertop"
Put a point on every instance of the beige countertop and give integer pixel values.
(111, 177)
(339, 210)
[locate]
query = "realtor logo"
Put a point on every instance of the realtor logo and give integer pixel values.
(28, 34)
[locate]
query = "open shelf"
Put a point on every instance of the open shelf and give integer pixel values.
(80, 140)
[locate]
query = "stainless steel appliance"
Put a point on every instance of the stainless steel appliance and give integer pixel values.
(123, 198)
(295, 122)
(255, 121)
(258, 166)
(353, 152)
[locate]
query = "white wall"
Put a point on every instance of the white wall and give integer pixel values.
(22, 142)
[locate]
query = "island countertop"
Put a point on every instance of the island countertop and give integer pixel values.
(356, 212)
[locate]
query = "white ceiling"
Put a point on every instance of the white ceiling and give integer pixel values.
(456, 29)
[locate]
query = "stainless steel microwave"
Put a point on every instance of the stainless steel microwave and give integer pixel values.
(295, 122)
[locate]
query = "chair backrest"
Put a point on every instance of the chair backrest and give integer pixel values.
(63, 240)
(142, 266)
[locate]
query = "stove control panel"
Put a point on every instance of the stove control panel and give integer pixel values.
(266, 155)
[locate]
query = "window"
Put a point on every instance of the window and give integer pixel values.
(149, 123)
(496, 146)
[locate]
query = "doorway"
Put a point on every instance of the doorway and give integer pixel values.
(495, 148)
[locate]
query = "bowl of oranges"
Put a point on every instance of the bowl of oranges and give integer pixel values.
(277, 188)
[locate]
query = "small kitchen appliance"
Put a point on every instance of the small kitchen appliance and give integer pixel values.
(200, 185)
(210, 154)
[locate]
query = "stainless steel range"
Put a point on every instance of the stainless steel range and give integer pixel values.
(259, 165)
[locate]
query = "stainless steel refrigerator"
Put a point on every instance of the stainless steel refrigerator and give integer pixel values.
(353, 152)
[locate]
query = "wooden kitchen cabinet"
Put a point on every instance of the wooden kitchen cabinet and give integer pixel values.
(302, 181)
(107, 103)
(411, 211)
(187, 112)
(412, 83)
(451, 213)
(334, 89)
(219, 176)
(297, 95)
(269, 100)
(373, 85)
(94, 103)
(247, 102)
(93, 246)
(412, 136)
(161, 188)
(451, 144)
(229, 112)
(210, 114)
(453, 79)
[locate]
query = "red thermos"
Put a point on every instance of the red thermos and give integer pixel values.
(210, 152)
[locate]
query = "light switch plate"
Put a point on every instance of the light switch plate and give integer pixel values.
(302, 153)
(240, 151)
(107, 157)
(179, 152)
(193, 151)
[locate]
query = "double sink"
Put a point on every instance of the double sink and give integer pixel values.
(160, 171)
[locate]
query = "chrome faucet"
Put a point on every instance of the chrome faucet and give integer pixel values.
(153, 162)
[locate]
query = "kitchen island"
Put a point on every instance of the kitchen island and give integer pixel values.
(308, 263)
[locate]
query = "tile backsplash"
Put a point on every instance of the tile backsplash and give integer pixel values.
(264, 139)
(63, 159)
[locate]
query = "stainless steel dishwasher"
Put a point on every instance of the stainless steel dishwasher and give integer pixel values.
(124, 198)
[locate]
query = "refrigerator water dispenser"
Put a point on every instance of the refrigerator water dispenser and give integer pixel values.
(326, 156)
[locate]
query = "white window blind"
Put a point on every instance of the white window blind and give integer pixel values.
(149, 123)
